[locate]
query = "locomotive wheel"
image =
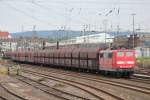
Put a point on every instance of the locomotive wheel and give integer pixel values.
(112, 74)
(127, 75)
(118, 74)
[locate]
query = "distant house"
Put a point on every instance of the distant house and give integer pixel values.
(5, 35)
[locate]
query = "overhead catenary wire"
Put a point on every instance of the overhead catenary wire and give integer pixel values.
(84, 20)
(29, 15)
(134, 2)
(69, 11)
(60, 14)
(46, 8)
(24, 13)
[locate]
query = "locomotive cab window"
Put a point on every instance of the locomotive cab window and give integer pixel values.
(120, 54)
(129, 54)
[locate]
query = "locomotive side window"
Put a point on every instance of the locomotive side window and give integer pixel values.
(129, 54)
(105, 55)
(120, 54)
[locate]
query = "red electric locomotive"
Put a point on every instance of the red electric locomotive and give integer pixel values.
(122, 62)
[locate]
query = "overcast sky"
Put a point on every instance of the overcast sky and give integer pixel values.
(21, 15)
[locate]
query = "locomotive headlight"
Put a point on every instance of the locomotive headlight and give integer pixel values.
(130, 62)
(120, 62)
(131, 66)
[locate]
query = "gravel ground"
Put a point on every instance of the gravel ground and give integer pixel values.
(21, 89)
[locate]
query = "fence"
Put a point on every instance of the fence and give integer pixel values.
(143, 52)
(143, 55)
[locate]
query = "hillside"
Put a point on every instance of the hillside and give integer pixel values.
(60, 34)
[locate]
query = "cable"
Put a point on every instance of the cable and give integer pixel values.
(61, 14)
(44, 7)
(26, 14)
(95, 1)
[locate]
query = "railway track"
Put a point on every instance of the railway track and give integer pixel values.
(49, 90)
(104, 91)
(140, 79)
(143, 70)
(10, 95)
(133, 78)
(98, 93)
(2, 98)
(140, 89)
(145, 90)
(109, 81)
(96, 78)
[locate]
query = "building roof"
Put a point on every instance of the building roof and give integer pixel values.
(5, 35)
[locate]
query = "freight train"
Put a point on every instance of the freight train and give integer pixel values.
(114, 62)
